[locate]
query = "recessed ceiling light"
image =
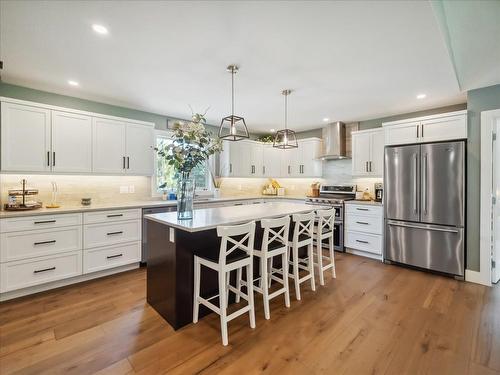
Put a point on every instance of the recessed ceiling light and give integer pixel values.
(73, 83)
(326, 119)
(421, 96)
(272, 130)
(99, 29)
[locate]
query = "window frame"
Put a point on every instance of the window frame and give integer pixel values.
(167, 134)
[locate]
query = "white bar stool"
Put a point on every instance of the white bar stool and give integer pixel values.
(236, 257)
(274, 244)
(324, 231)
(302, 236)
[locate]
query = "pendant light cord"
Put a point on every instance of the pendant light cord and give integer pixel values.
(232, 91)
(286, 110)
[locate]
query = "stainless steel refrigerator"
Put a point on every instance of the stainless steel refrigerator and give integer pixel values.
(424, 200)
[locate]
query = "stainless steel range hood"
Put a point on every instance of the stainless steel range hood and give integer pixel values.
(334, 141)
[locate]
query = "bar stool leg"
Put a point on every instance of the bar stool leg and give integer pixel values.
(238, 284)
(295, 260)
(320, 259)
(311, 266)
(251, 312)
(284, 262)
(270, 272)
(228, 278)
(222, 306)
(265, 287)
(332, 257)
(196, 292)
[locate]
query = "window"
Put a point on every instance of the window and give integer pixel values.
(164, 177)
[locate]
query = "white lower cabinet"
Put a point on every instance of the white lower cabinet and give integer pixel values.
(95, 235)
(30, 272)
(102, 258)
(364, 230)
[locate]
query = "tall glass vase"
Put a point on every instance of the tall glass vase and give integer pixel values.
(185, 197)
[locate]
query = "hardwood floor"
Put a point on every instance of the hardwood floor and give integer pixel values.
(373, 319)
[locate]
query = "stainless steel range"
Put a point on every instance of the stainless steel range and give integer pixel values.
(335, 195)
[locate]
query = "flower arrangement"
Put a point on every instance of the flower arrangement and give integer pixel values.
(191, 145)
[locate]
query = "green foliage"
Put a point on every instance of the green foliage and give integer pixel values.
(268, 138)
(191, 146)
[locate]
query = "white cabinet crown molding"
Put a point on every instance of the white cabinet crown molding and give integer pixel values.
(4, 99)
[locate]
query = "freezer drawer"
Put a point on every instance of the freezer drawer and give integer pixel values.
(433, 247)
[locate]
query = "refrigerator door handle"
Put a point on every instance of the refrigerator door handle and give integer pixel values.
(424, 185)
(415, 182)
(396, 224)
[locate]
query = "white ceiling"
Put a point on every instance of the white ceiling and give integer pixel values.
(346, 61)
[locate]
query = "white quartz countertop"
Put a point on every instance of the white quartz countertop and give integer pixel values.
(368, 203)
(64, 209)
(209, 218)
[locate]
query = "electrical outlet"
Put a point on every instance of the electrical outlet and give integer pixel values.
(131, 189)
(123, 189)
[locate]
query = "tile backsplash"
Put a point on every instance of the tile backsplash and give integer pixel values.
(71, 188)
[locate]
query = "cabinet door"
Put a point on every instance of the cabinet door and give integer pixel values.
(139, 149)
(402, 134)
(256, 160)
(71, 142)
(308, 164)
(242, 161)
(442, 129)
(289, 162)
(108, 146)
(377, 153)
(271, 161)
(225, 166)
(25, 138)
(361, 154)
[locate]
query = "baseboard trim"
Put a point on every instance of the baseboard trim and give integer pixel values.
(60, 283)
(477, 277)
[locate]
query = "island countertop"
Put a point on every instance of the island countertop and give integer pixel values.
(209, 218)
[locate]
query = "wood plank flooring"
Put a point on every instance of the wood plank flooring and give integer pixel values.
(373, 319)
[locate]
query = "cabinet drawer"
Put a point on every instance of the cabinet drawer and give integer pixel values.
(362, 223)
(26, 273)
(111, 216)
(39, 222)
(364, 209)
(35, 243)
(370, 243)
(95, 235)
(102, 258)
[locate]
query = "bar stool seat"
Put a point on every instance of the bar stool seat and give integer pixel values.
(236, 253)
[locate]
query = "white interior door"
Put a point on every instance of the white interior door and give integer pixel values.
(495, 274)
(71, 142)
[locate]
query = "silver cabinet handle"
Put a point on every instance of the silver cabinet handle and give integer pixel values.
(362, 209)
(252, 170)
(230, 168)
(289, 170)
(114, 215)
(113, 233)
(44, 242)
(422, 130)
(263, 169)
(418, 126)
(124, 162)
(48, 158)
(44, 222)
(54, 159)
(424, 228)
(415, 208)
(424, 185)
(128, 162)
(45, 270)
(361, 241)
(362, 222)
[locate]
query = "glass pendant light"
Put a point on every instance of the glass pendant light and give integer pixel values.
(285, 138)
(233, 128)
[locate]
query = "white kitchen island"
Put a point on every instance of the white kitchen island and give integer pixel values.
(173, 243)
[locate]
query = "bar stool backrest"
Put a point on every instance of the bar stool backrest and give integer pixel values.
(238, 237)
(275, 230)
(326, 220)
(304, 224)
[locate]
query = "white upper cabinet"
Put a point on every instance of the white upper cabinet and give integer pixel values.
(42, 138)
(254, 159)
(71, 142)
(139, 149)
(441, 127)
(368, 152)
(108, 146)
(25, 138)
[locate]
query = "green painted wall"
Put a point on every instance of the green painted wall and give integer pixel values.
(479, 100)
(25, 93)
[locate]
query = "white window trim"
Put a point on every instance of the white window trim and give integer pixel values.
(167, 134)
